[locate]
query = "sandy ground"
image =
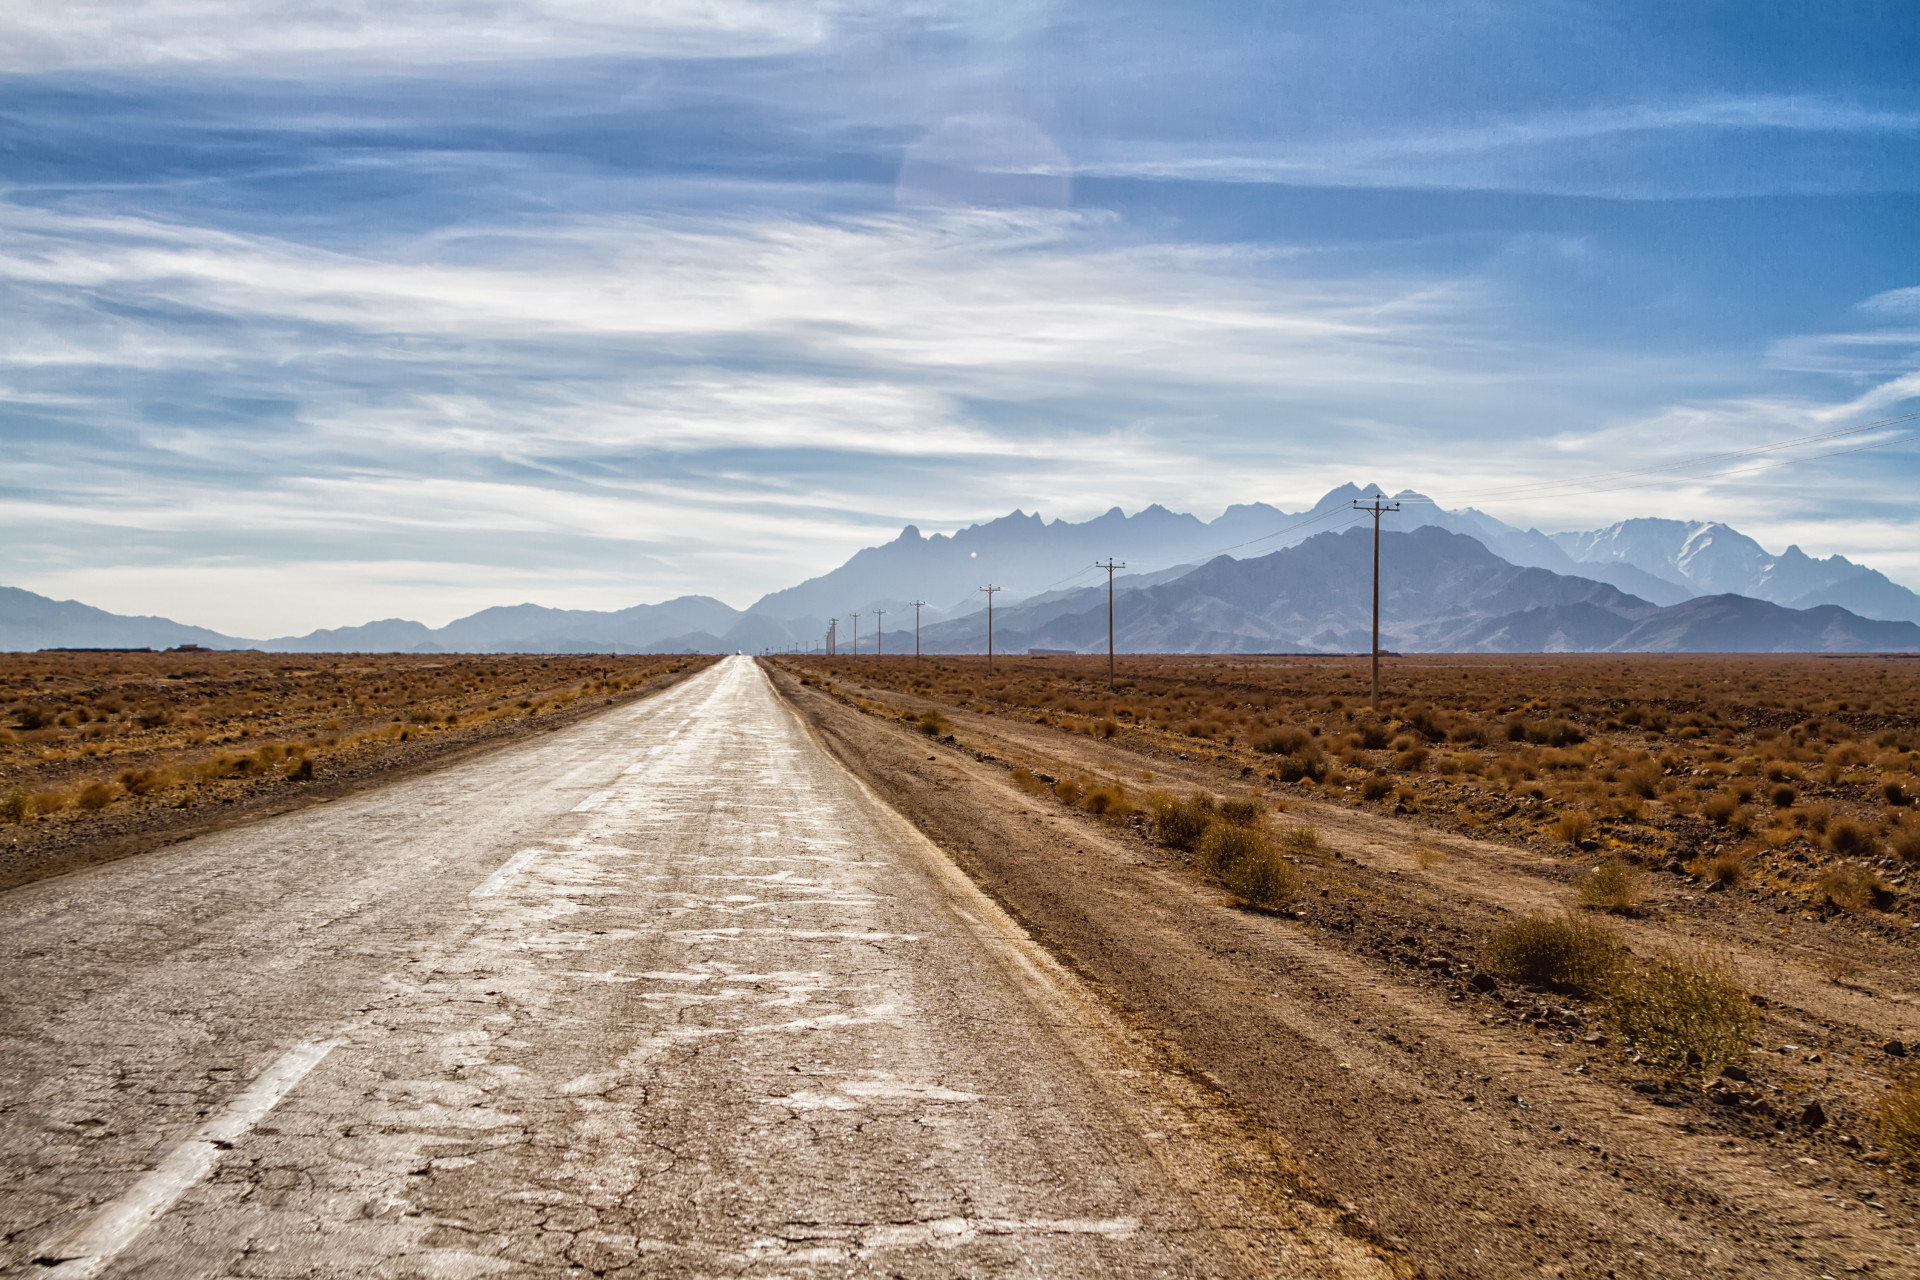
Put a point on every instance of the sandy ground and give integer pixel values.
(1478, 1134)
(666, 992)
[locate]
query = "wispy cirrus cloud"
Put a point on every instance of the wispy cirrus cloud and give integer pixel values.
(602, 302)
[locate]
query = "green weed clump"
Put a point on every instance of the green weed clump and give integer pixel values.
(1684, 1009)
(1181, 823)
(1612, 886)
(1570, 952)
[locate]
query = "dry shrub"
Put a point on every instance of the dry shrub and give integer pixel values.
(1573, 826)
(45, 802)
(1027, 782)
(1225, 844)
(1629, 806)
(1411, 759)
(1242, 813)
(300, 770)
(17, 807)
(1109, 728)
(1613, 886)
(1305, 765)
(1906, 845)
(144, 782)
(1246, 860)
(1720, 806)
(1848, 838)
(1852, 886)
(1069, 790)
(1643, 782)
(1181, 823)
(932, 723)
(1376, 788)
(1109, 800)
(1783, 796)
(97, 795)
(1815, 817)
(1900, 1121)
(1684, 1009)
(1728, 867)
(1570, 952)
(1288, 740)
(1304, 842)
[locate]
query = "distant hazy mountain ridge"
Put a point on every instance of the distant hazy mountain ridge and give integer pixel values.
(1454, 580)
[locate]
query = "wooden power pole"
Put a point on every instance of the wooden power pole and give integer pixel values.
(1110, 566)
(879, 634)
(1375, 507)
(990, 591)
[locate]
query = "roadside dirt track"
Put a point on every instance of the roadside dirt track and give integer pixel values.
(663, 993)
(1474, 1143)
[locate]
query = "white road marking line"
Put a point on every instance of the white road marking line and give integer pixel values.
(508, 870)
(591, 802)
(88, 1248)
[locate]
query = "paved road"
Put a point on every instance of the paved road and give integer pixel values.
(665, 992)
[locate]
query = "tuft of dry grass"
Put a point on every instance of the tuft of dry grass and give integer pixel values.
(1612, 886)
(1304, 842)
(97, 795)
(1852, 886)
(1900, 1122)
(1728, 867)
(933, 724)
(1573, 826)
(1849, 839)
(1569, 952)
(1244, 858)
(1684, 1010)
(17, 806)
(1181, 823)
(1026, 780)
(1242, 813)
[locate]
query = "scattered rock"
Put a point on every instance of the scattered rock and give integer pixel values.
(1597, 1039)
(1814, 1116)
(1484, 982)
(1731, 1072)
(1895, 1048)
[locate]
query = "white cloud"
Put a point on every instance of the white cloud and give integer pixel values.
(651, 406)
(257, 35)
(1526, 152)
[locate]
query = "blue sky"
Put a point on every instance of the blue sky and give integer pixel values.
(315, 313)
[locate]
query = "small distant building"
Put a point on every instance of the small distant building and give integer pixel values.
(1052, 653)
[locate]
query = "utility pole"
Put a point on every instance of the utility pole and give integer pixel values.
(916, 629)
(990, 591)
(856, 635)
(1110, 566)
(833, 635)
(1376, 508)
(879, 634)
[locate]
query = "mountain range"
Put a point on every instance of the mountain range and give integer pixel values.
(1257, 578)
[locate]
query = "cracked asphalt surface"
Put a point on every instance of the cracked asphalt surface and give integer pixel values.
(665, 992)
